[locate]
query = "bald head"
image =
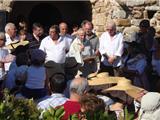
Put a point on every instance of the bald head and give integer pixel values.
(63, 28)
(79, 85)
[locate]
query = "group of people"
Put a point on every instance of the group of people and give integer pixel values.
(52, 68)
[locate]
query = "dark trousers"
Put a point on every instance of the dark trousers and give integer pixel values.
(113, 71)
(34, 93)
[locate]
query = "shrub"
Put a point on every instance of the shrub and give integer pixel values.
(17, 109)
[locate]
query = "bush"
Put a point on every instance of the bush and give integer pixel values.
(53, 113)
(17, 109)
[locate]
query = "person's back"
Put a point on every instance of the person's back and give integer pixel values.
(36, 76)
(72, 106)
(57, 85)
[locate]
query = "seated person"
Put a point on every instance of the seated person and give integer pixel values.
(72, 106)
(35, 86)
(57, 86)
(91, 105)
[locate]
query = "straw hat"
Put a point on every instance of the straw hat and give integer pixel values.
(103, 74)
(101, 81)
(125, 85)
(104, 80)
(92, 75)
(99, 75)
(16, 44)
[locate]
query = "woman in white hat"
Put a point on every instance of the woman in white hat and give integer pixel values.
(150, 107)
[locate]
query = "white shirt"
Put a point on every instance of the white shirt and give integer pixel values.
(68, 38)
(56, 99)
(8, 39)
(112, 47)
(55, 52)
(75, 50)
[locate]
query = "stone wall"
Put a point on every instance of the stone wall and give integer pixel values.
(126, 13)
(6, 5)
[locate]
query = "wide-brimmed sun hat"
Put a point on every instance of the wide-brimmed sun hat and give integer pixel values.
(126, 86)
(103, 79)
(99, 75)
(14, 45)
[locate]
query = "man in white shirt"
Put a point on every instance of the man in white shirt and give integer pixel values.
(55, 46)
(63, 32)
(10, 34)
(111, 49)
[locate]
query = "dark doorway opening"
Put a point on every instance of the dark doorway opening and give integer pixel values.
(46, 14)
(151, 13)
(51, 12)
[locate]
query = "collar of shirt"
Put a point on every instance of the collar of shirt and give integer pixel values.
(7, 36)
(37, 38)
(57, 94)
(90, 37)
(59, 39)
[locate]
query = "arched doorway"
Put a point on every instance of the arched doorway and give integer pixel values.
(46, 14)
(51, 12)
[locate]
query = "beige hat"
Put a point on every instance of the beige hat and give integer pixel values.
(104, 80)
(99, 75)
(16, 44)
(125, 85)
(103, 74)
(92, 75)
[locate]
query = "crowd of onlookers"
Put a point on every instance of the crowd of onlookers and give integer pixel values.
(53, 68)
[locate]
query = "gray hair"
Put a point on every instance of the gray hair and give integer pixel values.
(112, 24)
(9, 26)
(79, 86)
(80, 30)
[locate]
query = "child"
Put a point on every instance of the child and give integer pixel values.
(22, 35)
(36, 76)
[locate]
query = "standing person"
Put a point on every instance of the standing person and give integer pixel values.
(74, 31)
(63, 27)
(94, 42)
(81, 49)
(54, 46)
(111, 49)
(36, 38)
(145, 37)
(10, 33)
